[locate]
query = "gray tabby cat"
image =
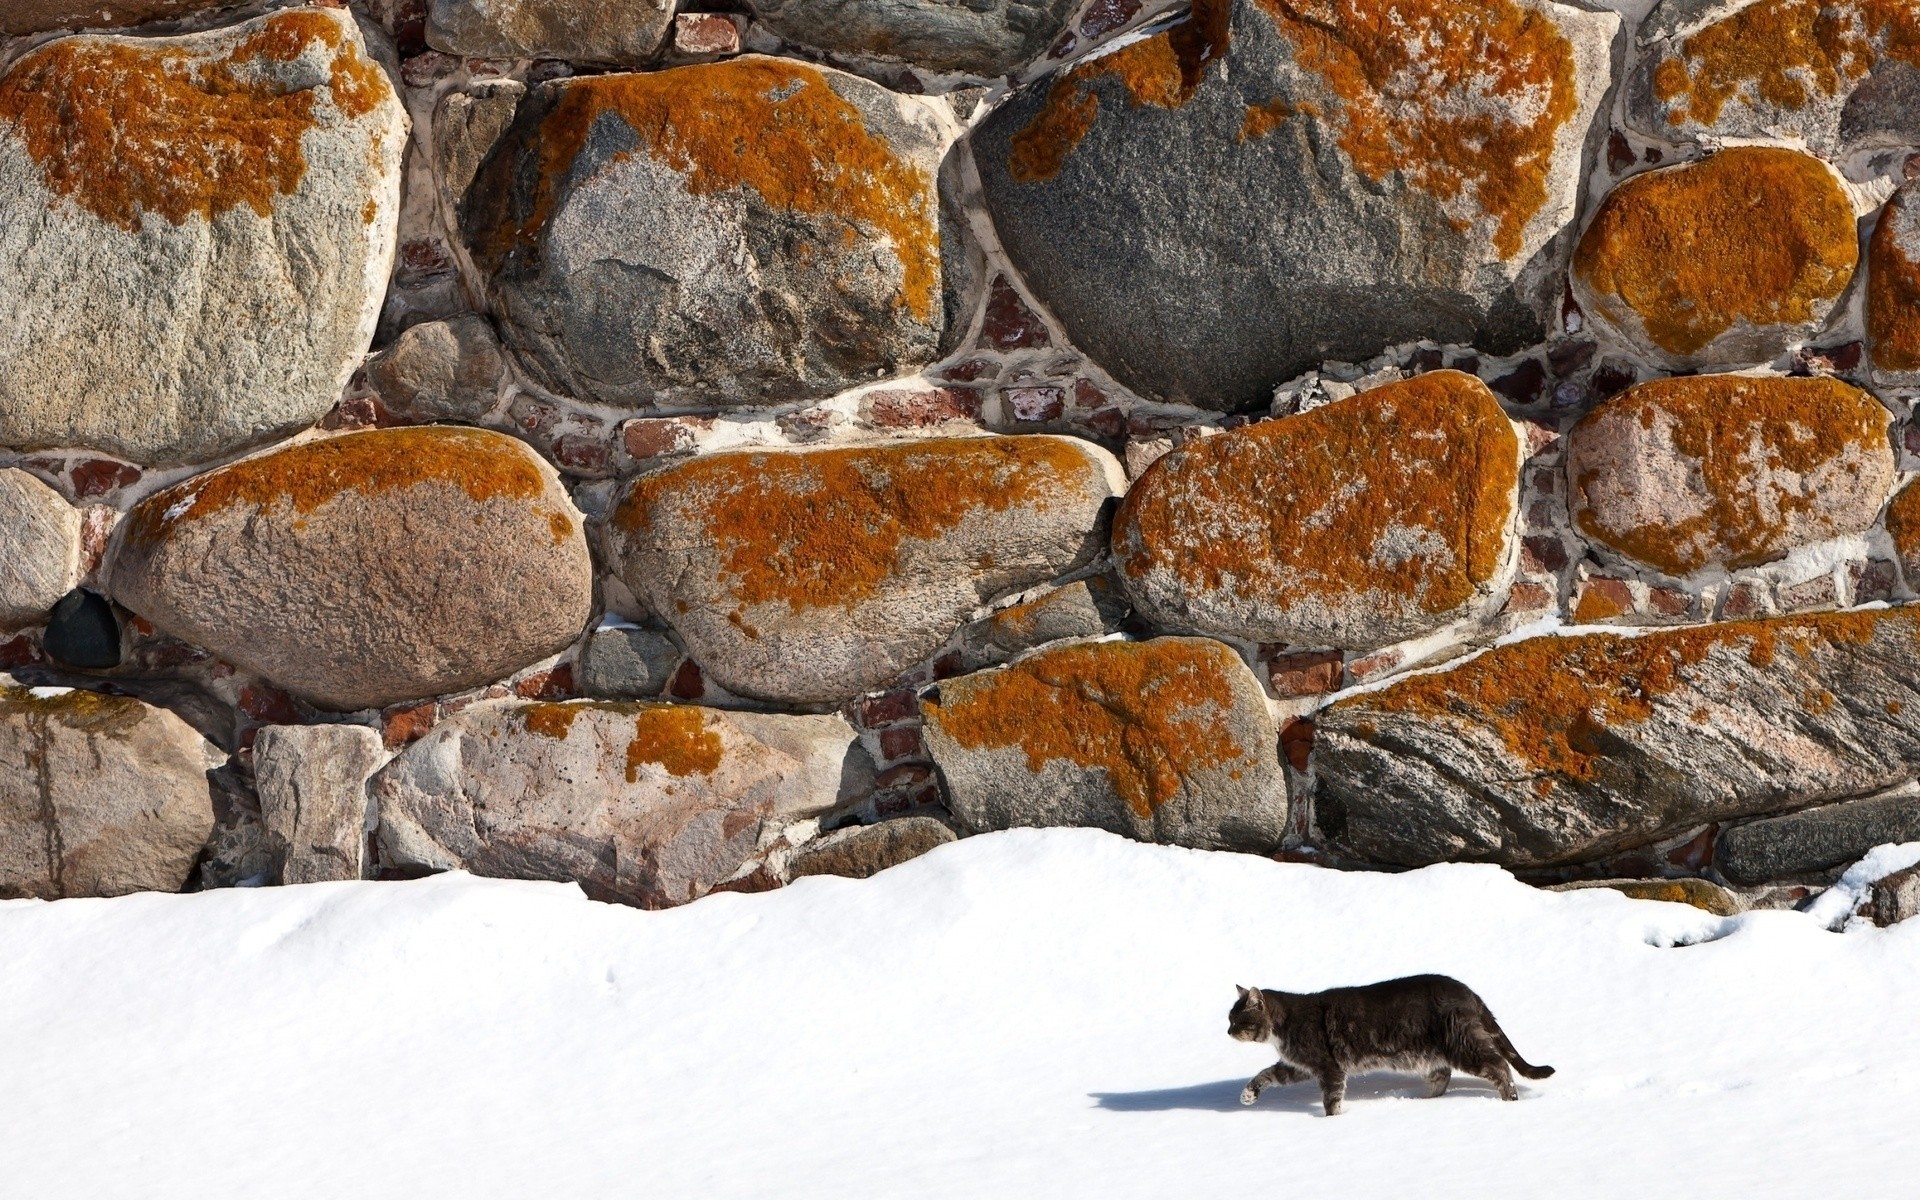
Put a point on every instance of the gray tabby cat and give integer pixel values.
(1426, 1023)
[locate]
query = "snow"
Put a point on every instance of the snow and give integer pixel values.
(1036, 1013)
(1835, 906)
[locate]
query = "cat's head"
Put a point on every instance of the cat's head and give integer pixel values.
(1248, 1020)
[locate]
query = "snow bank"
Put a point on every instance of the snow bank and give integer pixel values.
(1036, 1013)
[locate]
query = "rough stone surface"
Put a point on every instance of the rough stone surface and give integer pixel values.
(1561, 749)
(1065, 612)
(866, 850)
(1168, 740)
(978, 37)
(1727, 261)
(646, 804)
(1297, 182)
(34, 16)
(1700, 893)
(611, 33)
(366, 569)
(1356, 524)
(1828, 73)
(1818, 840)
(1728, 470)
(811, 576)
(1903, 528)
(468, 125)
(1895, 898)
(312, 781)
(625, 662)
(39, 549)
(197, 232)
(1893, 289)
(449, 370)
(99, 795)
(778, 233)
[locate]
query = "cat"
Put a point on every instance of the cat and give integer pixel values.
(1426, 1023)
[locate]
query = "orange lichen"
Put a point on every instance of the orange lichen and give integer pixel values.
(1893, 286)
(1262, 119)
(774, 127)
(79, 709)
(1783, 52)
(549, 720)
(1903, 525)
(674, 736)
(482, 464)
(1150, 714)
(825, 528)
(1407, 489)
(1750, 234)
(1596, 605)
(1755, 449)
(121, 129)
(1554, 701)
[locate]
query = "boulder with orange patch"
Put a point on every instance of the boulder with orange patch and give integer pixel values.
(1168, 740)
(744, 232)
(366, 569)
(1893, 290)
(1560, 750)
(197, 232)
(1272, 183)
(647, 804)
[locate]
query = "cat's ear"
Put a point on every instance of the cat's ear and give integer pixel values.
(1244, 992)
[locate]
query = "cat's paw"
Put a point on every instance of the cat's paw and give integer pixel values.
(1248, 1095)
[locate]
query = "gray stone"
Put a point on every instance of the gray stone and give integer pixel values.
(609, 33)
(99, 795)
(1895, 897)
(34, 16)
(977, 37)
(312, 782)
(1817, 840)
(742, 232)
(449, 370)
(171, 298)
(811, 576)
(625, 662)
(648, 804)
(1065, 612)
(39, 549)
(1168, 740)
(866, 850)
(366, 569)
(1241, 170)
(1559, 750)
(468, 125)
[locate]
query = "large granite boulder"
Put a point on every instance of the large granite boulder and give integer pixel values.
(810, 576)
(1267, 185)
(312, 783)
(747, 231)
(39, 549)
(1168, 740)
(197, 232)
(450, 370)
(977, 37)
(1726, 261)
(99, 795)
(1834, 75)
(1728, 471)
(1818, 841)
(1893, 289)
(597, 32)
(1356, 524)
(647, 804)
(1563, 749)
(366, 569)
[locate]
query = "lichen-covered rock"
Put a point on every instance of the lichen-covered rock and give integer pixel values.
(1728, 470)
(811, 576)
(449, 370)
(99, 795)
(1726, 261)
(1818, 840)
(1826, 73)
(740, 232)
(39, 549)
(1893, 289)
(362, 570)
(647, 804)
(1073, 611)
(197, 232)
(1168, 740)
(1563, 749)
(609, 33)
(978, 37)
(1356, 524)
(1699, 893)
(1293, 182)
(866, 850)
(35, 16)
(312, 781)
(467, 125)
(1903, 529)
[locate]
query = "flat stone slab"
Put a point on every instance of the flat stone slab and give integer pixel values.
(607, 33)
(979, 37)
(1817, 840)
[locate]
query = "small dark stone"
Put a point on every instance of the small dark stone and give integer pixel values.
(83, 631)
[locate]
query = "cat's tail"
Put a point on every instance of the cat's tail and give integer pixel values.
(1507, 1052)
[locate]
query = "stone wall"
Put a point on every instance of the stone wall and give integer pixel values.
(687, 450)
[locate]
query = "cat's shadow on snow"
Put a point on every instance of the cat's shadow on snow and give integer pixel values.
(1224, 1095)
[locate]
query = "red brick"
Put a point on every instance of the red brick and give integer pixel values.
(889, 708)
(408, 723)
(1304, 674)
(1042, 403)
(98, 476)
(1872, 580)
(269, 705)
(651, 437)
(687, 683)
(1601, 598)
(1669, 602)
(1543, 552)
(582, 453)
(1528, 597)
(1744, 600)
(706, 34)
(556, 684)
(1009, 323)
(902, 741)
(1378, 663)
(18, 652)
(969, 371)
(1104, 16)
(1296, 742)
(907, 775)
